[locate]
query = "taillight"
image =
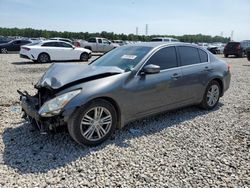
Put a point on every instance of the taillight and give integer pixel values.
(238, 47)
(25, 48)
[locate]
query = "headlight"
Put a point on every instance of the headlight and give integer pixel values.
(54, 106)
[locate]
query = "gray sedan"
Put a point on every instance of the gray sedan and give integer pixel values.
(125, 84)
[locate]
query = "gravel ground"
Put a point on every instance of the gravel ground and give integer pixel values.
(183, 148)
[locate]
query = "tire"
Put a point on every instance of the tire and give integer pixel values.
(214, 90)
(240, 55)
(86, 130)
(225, 55)
(4, 51)
(248, 56)
(84, 57)
(43, 58)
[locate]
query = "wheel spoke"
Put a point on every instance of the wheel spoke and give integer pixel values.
(98, 113)
(90, 131)
(106, 120)
(87, 120)
(102, 131)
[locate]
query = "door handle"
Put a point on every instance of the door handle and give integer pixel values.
(175, 76)
(207, 69)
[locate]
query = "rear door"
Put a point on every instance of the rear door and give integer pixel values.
(196, 68)
(52, 49)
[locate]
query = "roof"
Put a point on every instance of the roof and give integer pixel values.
(155, 44)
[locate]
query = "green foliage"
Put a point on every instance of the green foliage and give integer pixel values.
(29, 32)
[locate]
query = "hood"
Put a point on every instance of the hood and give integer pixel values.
(63, 74)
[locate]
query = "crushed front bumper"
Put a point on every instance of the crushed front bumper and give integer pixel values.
(30, 107)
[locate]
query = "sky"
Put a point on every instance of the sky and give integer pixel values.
(176, 17)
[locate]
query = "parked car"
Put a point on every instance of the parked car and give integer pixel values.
(236, 48)
(97, 44)
(119, 42)
(164, 39)
(51, 50)
(125, 84)
(4, 40)
(248, 53)
(62, 39)
(13, 46)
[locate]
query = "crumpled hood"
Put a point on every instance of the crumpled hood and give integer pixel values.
(61, 74)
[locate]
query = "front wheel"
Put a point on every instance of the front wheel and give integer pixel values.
(211, 96)
(93, 123)
(84, 57)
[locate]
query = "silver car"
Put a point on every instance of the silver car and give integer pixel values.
(123, 85)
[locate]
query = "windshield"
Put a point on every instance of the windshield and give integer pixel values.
(125, 58)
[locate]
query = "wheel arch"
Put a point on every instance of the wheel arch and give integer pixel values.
(115, 105)
(219, 80)
(43, 53)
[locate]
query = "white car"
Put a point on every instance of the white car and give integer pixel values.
(51, 50)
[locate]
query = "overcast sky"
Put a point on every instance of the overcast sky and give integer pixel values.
(178, 17)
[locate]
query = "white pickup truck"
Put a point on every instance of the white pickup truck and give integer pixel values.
(96, 44)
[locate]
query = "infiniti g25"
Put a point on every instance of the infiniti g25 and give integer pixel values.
(125, 84)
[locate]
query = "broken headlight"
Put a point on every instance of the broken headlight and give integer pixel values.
(54, 106)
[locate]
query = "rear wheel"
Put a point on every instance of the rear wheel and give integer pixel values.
(211, 96)
(43, 58)
(84, 57)
(225, 55)
(93, 123)
(241, 54)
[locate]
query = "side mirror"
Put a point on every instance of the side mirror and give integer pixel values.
(151, 69)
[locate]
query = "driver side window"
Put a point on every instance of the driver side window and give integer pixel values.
(17, 42)
(165, 58)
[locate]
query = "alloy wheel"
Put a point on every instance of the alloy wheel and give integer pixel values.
(96, 123)
(213, 95)
(44, 58)
(4, 51)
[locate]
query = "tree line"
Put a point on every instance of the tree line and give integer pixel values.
(33, 33)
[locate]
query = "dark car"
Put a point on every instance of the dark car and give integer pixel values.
(4, 40)
(125, 84)
(236, 48)
(248, 53)
(13, 46)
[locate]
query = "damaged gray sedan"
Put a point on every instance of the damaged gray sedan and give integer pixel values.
(125, 84)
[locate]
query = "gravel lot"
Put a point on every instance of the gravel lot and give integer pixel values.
(189, 147)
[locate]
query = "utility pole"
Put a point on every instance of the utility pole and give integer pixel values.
(232, 35)
(146, 32)
(222, 33)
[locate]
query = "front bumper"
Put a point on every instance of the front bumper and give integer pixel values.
(30, 107)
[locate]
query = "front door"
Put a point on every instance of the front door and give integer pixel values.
(150, 93)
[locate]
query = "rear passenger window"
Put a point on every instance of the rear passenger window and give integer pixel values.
(165, 58)
(50, 44)
(189, 55)
(203, 56)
